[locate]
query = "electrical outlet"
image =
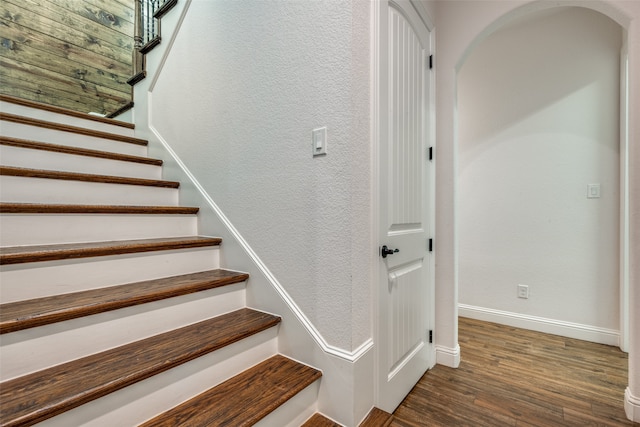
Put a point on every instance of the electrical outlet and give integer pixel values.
(523, 291)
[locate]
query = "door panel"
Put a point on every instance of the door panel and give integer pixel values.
(404, 210)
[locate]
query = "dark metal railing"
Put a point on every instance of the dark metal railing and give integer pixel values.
(150, 26)
(147, 32)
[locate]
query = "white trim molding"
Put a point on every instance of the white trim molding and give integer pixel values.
(350, 356)
(541, 324)
(631, 406)
(448, 356)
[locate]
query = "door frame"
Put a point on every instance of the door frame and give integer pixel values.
(379, 64)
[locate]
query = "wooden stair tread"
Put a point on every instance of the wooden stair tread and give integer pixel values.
(42, 311)
(35, 253)
(244, 399)
(41, 395)
(318, 420)
(377, 418)
(65, 111)
(42, 208)
(57, 148)
(72, 129)
(85, 177)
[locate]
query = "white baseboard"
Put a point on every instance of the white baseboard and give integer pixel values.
(448, 356)
(632, 406)
(541, 324)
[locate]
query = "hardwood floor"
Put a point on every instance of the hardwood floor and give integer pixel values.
(515, 377)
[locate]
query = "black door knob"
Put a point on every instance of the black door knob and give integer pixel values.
(386, 251)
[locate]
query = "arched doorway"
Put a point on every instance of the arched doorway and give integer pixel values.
(538, 126)
(454, 43)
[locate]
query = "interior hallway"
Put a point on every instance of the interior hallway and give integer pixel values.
(515, 377)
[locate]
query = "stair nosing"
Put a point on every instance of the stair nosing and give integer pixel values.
(39, 253)
(85, 177)
(131, 363)
(42, 208)
(36, 312)
(72, 129)
(66, 149)
(64, 111)
(246, 378)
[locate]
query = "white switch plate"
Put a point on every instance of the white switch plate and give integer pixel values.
(593, 191)
(319, 137)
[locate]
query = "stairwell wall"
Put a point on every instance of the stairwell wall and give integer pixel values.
(229, 103)
(237, 99)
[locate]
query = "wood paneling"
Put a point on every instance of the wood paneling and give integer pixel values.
(515, 377)
(69, 53)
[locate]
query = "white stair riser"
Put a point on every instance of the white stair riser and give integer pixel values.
(295, 411)
(50, 160)
(39, 190)
(43, 229)
(20, 110)
(21, 352)
(35, 133)
(38, 279)
(153, 396)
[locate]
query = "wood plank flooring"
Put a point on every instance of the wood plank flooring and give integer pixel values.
(515, 377)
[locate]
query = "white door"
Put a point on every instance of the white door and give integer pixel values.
(405, 274)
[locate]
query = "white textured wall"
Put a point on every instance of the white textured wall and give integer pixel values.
(237, 99)
(538, 120)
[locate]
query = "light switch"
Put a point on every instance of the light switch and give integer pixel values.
(593, 191)
(319, 137)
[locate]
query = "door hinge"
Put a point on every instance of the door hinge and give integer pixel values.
(430, 153)
(430, 245)
(430, 336)
(430, 62)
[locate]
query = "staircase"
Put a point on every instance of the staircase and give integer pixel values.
(114, 311)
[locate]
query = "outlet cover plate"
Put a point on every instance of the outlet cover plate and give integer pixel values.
(523, 291)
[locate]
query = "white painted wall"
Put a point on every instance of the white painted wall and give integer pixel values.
(237, 99)
(538, 120)
(460, 25)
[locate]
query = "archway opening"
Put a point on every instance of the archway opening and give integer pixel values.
(540, 182)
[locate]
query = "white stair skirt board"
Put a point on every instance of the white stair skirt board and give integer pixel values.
(34, 133)
(41, 190)
(50, 160)
(541, 324)
(146, 399)
(447, 356)
(72, 339)
(44, 229)
(295, 411)
(49, 116)
(631, 406)
(65, 276)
